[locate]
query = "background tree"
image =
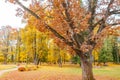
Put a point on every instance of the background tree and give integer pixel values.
(5, 38)
(95, 53)
(35, 44)
(76, 60)
(56, 54)
(115, 50)
(105, 54)
(65, 55)
(18, 46)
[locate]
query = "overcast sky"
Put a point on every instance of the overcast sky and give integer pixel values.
(7, 15)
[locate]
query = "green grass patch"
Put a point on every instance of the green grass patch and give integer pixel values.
(112, 71)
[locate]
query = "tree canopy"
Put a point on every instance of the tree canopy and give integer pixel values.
(73, 24)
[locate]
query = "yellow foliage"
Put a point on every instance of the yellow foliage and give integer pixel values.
(1, 57)
(95, 54)
(23, 56)
(95, 29)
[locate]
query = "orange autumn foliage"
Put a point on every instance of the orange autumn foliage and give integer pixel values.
(73, 24)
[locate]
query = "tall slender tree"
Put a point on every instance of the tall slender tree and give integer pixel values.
(6, 39)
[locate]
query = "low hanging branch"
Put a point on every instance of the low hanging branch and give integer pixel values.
(114, 24)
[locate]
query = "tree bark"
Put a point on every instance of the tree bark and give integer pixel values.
(60, 61)
(5, 58)
(86, 65)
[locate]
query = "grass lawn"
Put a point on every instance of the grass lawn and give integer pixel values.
(64, 73)
(110, 71)
(113, 71)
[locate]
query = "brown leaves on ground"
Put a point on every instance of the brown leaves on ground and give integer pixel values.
(46, 75)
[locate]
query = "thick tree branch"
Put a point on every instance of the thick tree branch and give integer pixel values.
(102, 24)
(75, 37)
(111, 2)
(114, 24)
(98, 22)
(46, 25)
(107, 14)
(68, 19)
(28, 10)
(92, 9)
(115, 12)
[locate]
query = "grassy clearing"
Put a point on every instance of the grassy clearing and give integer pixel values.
(65, 70)
(3, 67)
(68, 72)
(110, 71)
(113, 71)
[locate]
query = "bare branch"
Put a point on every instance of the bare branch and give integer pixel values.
(102, 24)
(114, 24)
(115, 12)
(98, 22)
(28, 10)
(92, 9)
(111, 2)
(68, 19)
(108, 9)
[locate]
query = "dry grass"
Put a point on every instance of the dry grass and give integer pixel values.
(54, 73)
(38, 75)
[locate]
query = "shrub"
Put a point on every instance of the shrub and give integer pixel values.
(21, 69)
(28, 69)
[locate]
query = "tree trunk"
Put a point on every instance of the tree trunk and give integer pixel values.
(60, 61)
(64, 58)
(12, 58)
(5, 58)
(38, 61)
(86, 65)
(35, 61)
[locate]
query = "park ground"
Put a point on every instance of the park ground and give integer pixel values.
(67, 72)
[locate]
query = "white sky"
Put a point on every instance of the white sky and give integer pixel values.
(7, 15)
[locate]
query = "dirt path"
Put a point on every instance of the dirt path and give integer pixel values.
(7, 70)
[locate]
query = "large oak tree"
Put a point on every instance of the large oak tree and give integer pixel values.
(73, 23)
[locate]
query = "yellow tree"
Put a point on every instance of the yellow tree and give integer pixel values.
(56, 54)
(35, 43)
(65, 55)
